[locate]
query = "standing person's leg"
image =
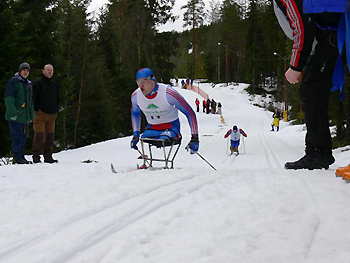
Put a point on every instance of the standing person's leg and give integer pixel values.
(232, 146)
(315, 90)
(17, 141)
(49, 138)
(236, 146)
(39, 133)
(315, 99)
(24, 139)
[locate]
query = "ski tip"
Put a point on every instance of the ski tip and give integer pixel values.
(113, 170)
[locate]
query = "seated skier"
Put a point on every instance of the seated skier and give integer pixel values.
(160, 104)
(235, 135)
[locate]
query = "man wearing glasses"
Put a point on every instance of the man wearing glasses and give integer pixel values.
(160, 104)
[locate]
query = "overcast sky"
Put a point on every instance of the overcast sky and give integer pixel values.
(177, 26)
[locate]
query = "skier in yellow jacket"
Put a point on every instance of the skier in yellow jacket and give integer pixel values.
(276, 120)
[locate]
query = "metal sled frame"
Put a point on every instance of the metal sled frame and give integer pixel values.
(160, 143)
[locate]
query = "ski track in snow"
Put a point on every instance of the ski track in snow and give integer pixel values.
(141, 209)
(250, 210)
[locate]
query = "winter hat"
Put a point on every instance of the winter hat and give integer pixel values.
(145, 73)
(24, 65)
(235, 128)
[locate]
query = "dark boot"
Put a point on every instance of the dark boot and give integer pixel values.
(37, 146)
(278, 128)
(50, 160)
(272, 128)
(48, 146)
(329, 159)
(309, 161)
(231, 149)
(36, 159)
(21, 161)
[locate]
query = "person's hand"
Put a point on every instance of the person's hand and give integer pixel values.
(135, 140)
(292, 76)
(193, 145)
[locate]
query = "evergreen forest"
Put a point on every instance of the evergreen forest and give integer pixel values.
(96, 57)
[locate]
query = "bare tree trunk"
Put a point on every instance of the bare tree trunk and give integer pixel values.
(66, 102)
(194, 57)
(80, 92)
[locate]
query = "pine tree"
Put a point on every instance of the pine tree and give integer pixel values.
(233, 36)
(14, 49)
(212, 64)
(255, 44)
(72, 37)
(194, 17)
(128, 40)
(40, 26)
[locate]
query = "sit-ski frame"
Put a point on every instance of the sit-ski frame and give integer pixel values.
(159, 143)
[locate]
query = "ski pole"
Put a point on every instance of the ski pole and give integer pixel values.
(228, 147)
(143, 156)
(205, 160)
(243, 145)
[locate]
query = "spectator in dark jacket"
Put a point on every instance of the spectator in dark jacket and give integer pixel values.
(213, 106)
(208, 105)
(317, 70)
(46, 101)
(19, 110)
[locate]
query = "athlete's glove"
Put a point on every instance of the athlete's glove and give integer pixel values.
(193, 145)
(135, 140)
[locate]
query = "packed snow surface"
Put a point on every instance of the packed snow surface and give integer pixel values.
(250, 210)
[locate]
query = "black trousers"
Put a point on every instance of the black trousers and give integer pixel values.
(315, 91)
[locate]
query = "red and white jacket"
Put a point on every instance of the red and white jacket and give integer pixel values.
(235, 136)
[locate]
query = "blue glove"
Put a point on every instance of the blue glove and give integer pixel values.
(135, 140)
(193, 145)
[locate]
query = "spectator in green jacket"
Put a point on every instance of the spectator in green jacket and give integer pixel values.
(19, 110)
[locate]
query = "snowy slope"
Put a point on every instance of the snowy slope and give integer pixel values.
(249, 210)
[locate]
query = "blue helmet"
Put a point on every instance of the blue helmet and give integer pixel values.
(235, 128)
(145, 73)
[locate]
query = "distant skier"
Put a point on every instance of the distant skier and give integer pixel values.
(160, 104)
(177, 80)
(276, 120)
(197, 104)
(235, 135)
(183, 84)
(219, 108)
